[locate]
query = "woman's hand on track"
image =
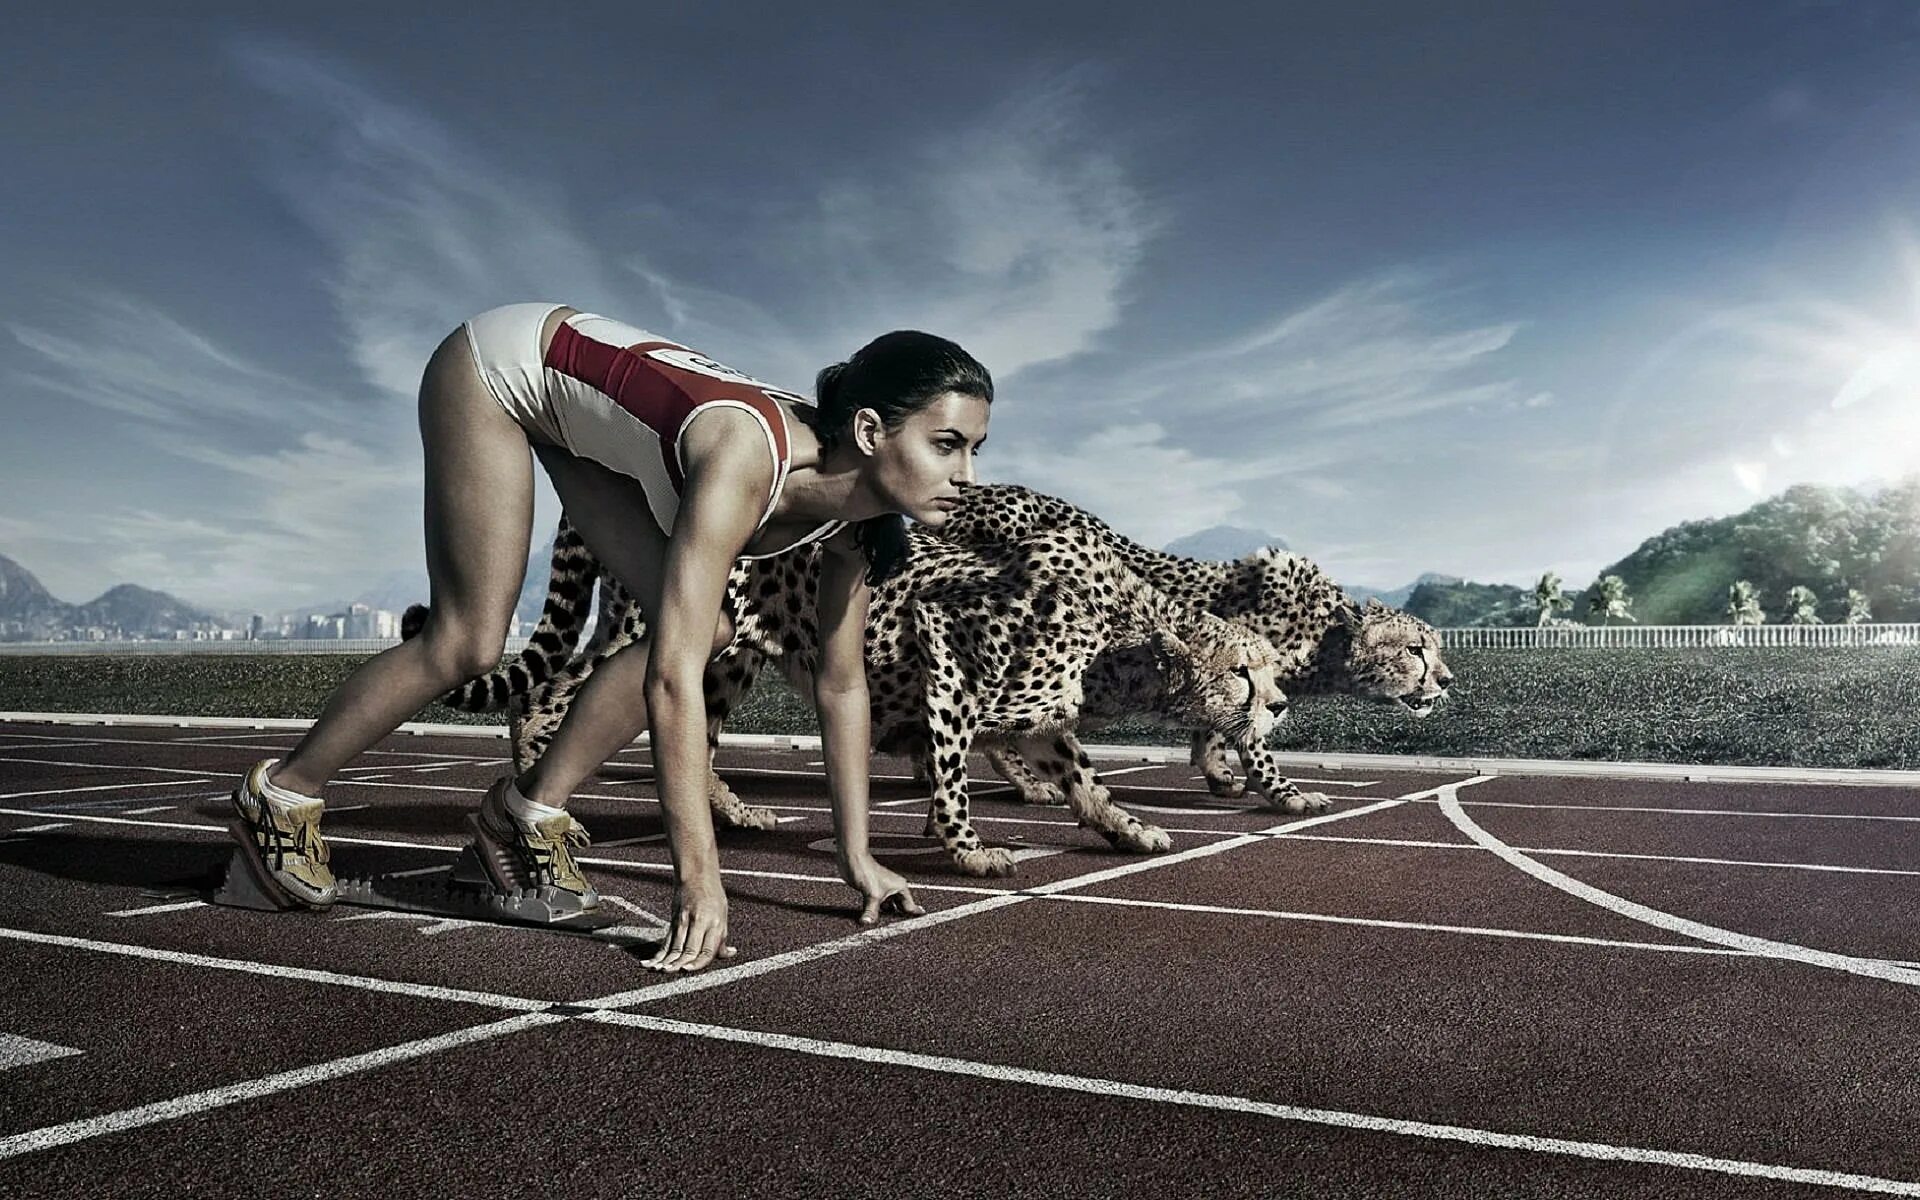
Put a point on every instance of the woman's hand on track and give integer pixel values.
(883, 890)
(697, 932)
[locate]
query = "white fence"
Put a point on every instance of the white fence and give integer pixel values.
(264, 646)
(1679, 636)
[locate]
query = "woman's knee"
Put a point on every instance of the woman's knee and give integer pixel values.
(462, 649)
(722, 636)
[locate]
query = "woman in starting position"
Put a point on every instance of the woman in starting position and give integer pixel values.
(671, 466)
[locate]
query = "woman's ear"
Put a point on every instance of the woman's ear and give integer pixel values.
(868, 429)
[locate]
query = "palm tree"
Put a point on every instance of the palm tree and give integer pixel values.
(1743, 604)
(1610, 600)
(1857, 611)
(1802, 605)
(1548, 598)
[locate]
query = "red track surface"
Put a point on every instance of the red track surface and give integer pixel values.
(1363, 1005)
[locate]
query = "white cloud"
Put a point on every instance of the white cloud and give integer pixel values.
(1132, 478)
(424, 231)
(122, 354)
(1016, 236)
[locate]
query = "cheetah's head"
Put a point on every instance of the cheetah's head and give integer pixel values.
(1394, 657)
(1221, 675)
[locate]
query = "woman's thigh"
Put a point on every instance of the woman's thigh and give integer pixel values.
(610, 512)
(479, 495)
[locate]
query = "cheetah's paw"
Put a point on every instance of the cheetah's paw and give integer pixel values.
(984, 862)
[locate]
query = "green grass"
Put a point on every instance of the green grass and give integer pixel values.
(1784, 707)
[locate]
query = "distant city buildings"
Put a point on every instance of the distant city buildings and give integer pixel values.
(360, 622)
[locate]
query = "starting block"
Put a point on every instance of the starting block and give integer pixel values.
(464, 894)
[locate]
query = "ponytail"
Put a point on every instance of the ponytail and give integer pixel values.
(883, 539)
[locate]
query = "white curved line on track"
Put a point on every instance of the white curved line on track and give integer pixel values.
(1873, 968)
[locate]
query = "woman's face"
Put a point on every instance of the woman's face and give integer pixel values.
(920, 467)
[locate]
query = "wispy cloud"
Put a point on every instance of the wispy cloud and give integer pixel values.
(423, 230)
(1017, 235)
(124, 355)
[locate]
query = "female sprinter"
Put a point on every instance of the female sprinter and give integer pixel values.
(671, 466)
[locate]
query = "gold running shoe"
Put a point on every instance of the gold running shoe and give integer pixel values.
(281, 839)
(518, 852)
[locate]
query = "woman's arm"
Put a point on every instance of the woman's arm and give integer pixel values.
(728, 475)
(840, 695)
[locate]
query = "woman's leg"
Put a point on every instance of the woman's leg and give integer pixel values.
(479, 519)
(610, 512)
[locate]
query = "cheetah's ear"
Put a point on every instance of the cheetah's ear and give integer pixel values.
(1374, 606)
(1348, 614)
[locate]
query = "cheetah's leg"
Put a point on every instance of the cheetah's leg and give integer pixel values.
(1013, 768)
(950, 729)
(728, 678)
(1265, 778)
(532, 720)
(1060, 759)
(1210, 755)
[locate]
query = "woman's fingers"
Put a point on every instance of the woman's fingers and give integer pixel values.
(693, 943)
(898, 900)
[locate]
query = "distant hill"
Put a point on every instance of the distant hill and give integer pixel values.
(1222, 542)
(1454, 603)
(1398, 597)
(1826, 539)
(28, 612)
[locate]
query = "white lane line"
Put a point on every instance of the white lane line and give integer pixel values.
(712, 977)
(1553, 852)
(1353, 783)
(626, 863)
(94, 766)
(1415, 926)
(102, 787)
(199, 1102)
(146, 812)
(42, 828)
(1690, 812)
(275, 971)
(1366, 1122)
(159, 908)
(1871, 967)
(17, 1051)
(654, 921)
(1130, 770)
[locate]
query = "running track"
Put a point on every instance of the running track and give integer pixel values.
(1451, 985)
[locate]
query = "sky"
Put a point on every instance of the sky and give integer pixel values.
(1486, 289)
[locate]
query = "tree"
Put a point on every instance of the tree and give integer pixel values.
(1548, 598)
(1743, 604)
(1610, 600)
(1802, 606)
(1857, 610)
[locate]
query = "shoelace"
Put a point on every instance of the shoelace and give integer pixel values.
(550, 857)
(303, 839)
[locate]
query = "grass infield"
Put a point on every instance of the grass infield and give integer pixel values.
(1750, 707)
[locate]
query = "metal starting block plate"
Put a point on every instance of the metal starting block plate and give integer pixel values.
(461, 893)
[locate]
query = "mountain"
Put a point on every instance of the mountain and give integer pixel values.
(1223, 541)
(28, 612)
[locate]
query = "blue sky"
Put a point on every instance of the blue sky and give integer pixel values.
(1484, 289)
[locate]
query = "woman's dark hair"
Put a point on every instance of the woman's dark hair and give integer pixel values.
(896, 375)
